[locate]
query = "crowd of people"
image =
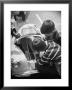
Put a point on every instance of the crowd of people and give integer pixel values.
(43, 54)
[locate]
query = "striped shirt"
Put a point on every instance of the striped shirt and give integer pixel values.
(52, 54)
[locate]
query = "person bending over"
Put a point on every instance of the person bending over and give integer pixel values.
(50, 32)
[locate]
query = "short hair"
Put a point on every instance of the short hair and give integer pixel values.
(39, 45)
(47, 27)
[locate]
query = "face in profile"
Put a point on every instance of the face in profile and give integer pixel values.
(49, 36)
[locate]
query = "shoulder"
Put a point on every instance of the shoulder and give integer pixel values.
(57, 37)
(56, 33)
(53, 47)
(52, 44)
